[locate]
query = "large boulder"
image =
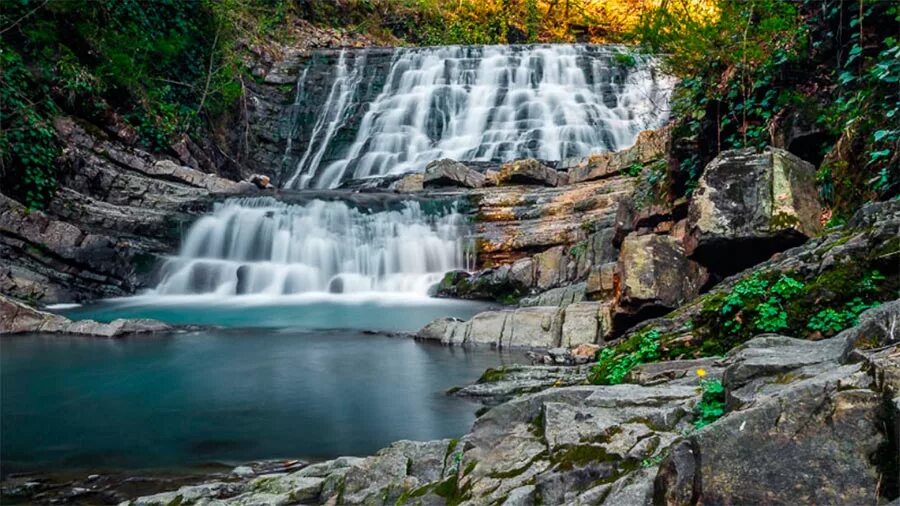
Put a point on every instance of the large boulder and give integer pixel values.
(749, 205)
(528, 171)
(446, 172)
(653, 276)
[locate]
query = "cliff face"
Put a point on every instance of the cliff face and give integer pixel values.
(116, 209)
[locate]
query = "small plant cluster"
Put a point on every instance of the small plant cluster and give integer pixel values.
(773, 302)
(712, 404)
(830, 321)
(615, 362)
(760, 304)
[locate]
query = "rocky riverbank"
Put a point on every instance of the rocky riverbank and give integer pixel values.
(800, 415)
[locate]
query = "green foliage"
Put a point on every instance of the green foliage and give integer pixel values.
(712, 404)
(27, 139)
(761, 302)
(764, 65)
(782, 303)
(634, 170)
(615, 362)
(830, 321)
(167, 67)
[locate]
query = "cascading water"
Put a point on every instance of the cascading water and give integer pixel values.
(487, 103)
(262, 246)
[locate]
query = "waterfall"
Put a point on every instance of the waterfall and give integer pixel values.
(489, 103)
(262, 246)
(331, 118)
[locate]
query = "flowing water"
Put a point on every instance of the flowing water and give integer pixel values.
(263, 247)
(486, 103)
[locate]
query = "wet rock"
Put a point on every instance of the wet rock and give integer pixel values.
(749, 205)
(446, 172)
(528, 171)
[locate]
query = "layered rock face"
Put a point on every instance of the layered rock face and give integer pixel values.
(116, 208)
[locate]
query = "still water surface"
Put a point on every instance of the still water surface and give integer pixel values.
(230, 395)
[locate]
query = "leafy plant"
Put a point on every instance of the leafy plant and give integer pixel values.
(614, 363)
(712, 403)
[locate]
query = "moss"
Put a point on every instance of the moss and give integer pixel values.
(493, 375)
(176, 502)
(406, 495)
(891, 247)
(581, 455)
(536, 425)
(512, 473)
(786, 378)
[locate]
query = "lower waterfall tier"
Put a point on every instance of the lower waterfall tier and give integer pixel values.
(262, 246)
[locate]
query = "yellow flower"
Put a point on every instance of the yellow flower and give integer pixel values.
(701, 372)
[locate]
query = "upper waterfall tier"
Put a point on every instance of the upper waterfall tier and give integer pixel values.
(485, 103)
(262, 246)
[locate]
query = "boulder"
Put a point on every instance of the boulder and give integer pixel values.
(585, 323)
(749, 205)
(650, 145)
(528, 171)
(261, 181)
(446, 172)
(653, 276)
(410, 183)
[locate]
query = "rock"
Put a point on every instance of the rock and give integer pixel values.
(585, 351)
(650, 145)
(601, 282)
(261, 181)
(504, 383)
(410, 183)
(446, 172)
(749, 205)
(549, 267)
(653, 276)
(533, 327)
(559, 297)
(527, 171)
(514, 222)
(585, 323)
(18, 318)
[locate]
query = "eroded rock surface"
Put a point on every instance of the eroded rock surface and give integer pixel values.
(749, 205)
